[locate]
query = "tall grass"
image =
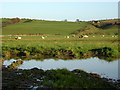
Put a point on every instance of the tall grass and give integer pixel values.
(60, 46)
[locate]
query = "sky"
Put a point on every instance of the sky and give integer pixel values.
(59, 0)
(59, 11)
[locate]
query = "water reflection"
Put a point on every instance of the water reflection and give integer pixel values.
(94, 65)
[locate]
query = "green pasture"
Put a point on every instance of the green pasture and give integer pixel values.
(47, 36)
(56, 27)
(42, 27)
(111, 29)
(57, 42)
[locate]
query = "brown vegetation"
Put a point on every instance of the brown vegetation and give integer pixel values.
(12, 21)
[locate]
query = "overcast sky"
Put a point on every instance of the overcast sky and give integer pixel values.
(61, 10)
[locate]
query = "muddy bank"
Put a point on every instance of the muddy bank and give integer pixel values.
(60, 78)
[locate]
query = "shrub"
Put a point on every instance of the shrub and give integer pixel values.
(105, 51)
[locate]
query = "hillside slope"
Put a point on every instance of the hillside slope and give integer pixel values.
(42, 27)
(32, 26)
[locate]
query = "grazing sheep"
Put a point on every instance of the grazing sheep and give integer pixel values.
(43, 37)
(93, 36)
(17, 38)
(67, 37)
(114, 36)
(103, 35)
(83, 36)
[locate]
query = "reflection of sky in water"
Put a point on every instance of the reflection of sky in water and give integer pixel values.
(8, 62)
(93, 65)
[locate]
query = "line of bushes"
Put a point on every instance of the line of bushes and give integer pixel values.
(62, 53)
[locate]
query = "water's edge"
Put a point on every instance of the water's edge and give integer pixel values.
(90, 65)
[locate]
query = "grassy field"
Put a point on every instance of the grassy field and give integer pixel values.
(28, 26)
(43, 27)
(104, 40)
(93, 41)
(52, 45)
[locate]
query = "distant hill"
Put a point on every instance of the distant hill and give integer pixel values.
(107, 26)
(32, 26)
(42, 27)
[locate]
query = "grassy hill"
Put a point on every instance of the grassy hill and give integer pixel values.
(43, 27)
(28, 26)
(111, 29)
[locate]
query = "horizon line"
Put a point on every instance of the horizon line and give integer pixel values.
(63, 19)
(60, 1)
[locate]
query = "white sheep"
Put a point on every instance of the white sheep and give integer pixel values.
(18, 38)
(83, 36)
(67, 37)
(43, 37)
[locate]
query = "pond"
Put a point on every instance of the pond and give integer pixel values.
(93, 65)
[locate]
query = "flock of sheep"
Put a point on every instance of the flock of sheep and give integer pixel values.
(19, 38)
(86, 36)
(81, 36)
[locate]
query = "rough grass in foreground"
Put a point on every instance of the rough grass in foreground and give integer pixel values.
(60, 78)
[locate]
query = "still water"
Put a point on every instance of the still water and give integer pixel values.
(93, 65)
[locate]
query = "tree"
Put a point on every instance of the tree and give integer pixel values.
(65, 20)
(77, 20)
